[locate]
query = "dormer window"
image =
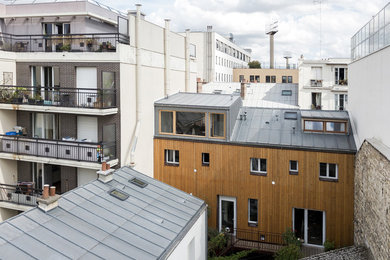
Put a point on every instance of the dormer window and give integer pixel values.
(217, 125)
(325, 126)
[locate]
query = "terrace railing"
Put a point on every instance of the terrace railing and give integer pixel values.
(93, 42)
(58, 96)
(58, 149)
(23, 194)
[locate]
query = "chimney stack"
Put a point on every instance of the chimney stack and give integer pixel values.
(243, 90)
(271, 31)
(49, 200)
(106, 173)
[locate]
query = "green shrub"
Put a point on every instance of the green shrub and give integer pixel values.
(290, 252)
(216, 243)
(235, 256)
(329, 245)
(290, 239)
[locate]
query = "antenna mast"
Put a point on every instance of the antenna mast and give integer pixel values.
(320, 3)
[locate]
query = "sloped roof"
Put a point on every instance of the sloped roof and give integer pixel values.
(91, 223)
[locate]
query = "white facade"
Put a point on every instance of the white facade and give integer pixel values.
(323, 84)
(216, 56)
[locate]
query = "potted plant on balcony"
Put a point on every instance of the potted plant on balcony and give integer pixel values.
(16, 97)
(65, 47)
(89, 44)
(38, 99)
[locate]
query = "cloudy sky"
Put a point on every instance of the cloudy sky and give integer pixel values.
(299, 22)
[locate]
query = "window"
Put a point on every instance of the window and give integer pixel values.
(314, 126)
(252, 78)
(205, 159)
(284, 79)
(190, 123)
(217, 125)
(286, 92)
(267, 79)
(316, 101)
(166, 121)
(109, 96)
(341, 76)
(273, 79)
(328, 171)
(252, 212)
(289, 79)
(341, 101)
(293, 167)
(119, 194)
(172, 157)
(259, 166)
(291, 115)
(339, 127)
(257, 78)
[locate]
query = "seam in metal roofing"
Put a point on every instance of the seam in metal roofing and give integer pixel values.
(199, 100)
(90, 223)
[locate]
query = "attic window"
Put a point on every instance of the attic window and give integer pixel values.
(286, 92)
(290, 115)
(119, 194)
(140, 183)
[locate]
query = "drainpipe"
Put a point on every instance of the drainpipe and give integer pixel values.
(187, 53)
(167, 89)
(137, 85)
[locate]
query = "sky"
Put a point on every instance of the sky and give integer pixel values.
(299, 22)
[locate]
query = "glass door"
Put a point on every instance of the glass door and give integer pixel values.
(45, 126)
(38, 175)
(227, 214)
(309, 226)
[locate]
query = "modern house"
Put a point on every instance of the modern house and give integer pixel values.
(260, 170)
(323, 84)
(217, 55)
(122, 215)
(287, 75)
(78, 84)
(369, 107)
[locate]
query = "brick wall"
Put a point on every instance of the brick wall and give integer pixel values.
(24, 171)
(372, 201)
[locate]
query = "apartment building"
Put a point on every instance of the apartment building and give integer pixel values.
(323, 84)
(78, 84)
(217, 56)
(260, 170)
(369, 107)
(266, 75)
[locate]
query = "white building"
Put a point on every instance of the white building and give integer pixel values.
(323, 84)
(80, 85)
(217, 56)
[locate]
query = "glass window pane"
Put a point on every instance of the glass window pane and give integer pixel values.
(314, 125)
(253, 210)
(323, 169)
(176, 156)
(293, 165)
(205, 158)
(387, 14)
(263, 165)
(217, 125)
(254, 165)
(190, 123)
(335, 126)
(166, 122)
(108, 80)
(332, 170)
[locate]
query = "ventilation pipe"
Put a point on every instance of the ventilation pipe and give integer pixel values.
(187, 43)
(167, 89)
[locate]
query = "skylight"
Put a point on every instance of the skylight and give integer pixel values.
(286, 92)
(140, 183)
(119, 194)
(290, 115)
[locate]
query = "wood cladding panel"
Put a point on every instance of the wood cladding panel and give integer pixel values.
(229, 175)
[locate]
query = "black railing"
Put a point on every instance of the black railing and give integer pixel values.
(59, 149)
(58, 96)
(93, 42)
(22, 194)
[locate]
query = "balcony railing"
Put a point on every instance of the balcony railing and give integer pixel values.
(58, 96)
(58, 149)
(94, 42)
(315, 83)
(21, 194)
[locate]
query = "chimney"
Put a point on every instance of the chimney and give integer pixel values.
(243, 90)
(105, 174)
(271, 30)
(49, 199)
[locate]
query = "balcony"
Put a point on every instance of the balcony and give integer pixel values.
(62, 151)
(94, 42)
(17, 196)
(55, 99)
(315, 83)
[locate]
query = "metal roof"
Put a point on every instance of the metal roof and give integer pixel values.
(90, 223)
(268, 127)
(325, 114)
(196, 100)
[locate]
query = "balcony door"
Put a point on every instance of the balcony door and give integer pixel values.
(47, 174)
(227, 214)
(45, 126)
(44, 79)
(86, 80)
(309, 226)
(55, 43)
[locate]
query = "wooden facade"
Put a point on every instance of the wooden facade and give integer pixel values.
(278, 192)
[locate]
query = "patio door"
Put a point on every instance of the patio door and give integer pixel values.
(227, 214)
(309, 226)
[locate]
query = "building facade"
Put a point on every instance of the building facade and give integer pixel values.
(78, 85)
(217, 56)
(260, 170)
(323, 84)
(266, 75)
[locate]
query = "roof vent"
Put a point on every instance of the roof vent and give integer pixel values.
(140, 183)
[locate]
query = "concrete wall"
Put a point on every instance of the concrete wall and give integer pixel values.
(7, 213)
(265, 72)
(194, 245)
(372, 199)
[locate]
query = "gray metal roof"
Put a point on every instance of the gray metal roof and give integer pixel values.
(89, 223)
(326, 114)
(195, 100)
(268, 127)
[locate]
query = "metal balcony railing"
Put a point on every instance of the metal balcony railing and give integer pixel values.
(21, 194)
(93, 42)
(58, 149)
(58, 96)
(316, 83)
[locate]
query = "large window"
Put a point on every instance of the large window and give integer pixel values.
(252, 212)
(327, 126)
(217, 125)
(171, 157)
(190, 123)
(315, 126)
(329, 171)
(341, 76)
(258, 166)
(338, 127)
(166, 119)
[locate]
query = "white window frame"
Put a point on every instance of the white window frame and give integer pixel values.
(327, 172)
(249, 212)
(173, 157)
(295, 171)
(259, 163)
(203, 162)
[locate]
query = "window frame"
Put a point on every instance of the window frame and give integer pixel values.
(205, 126)
(203, 161)
(259, 172)
(211, 125)
(251, 222)
(173, 123)
(289, 79)
(324, 127)
(291, 171)
(174, 162)
(310, 130)
(327, 177)
(284, 79)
